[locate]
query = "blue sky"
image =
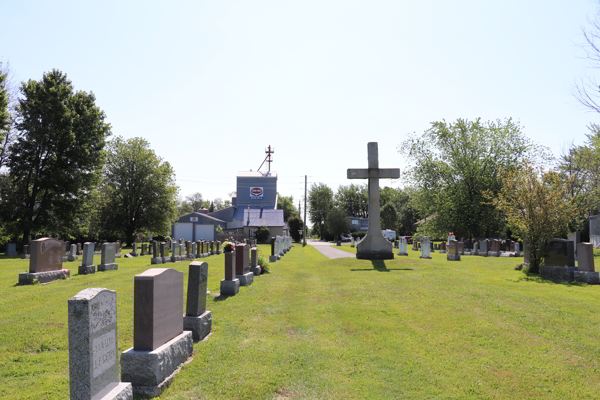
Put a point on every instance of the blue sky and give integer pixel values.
(211, 84)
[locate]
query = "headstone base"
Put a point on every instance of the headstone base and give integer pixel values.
(151, 372)
(25, 255)
(213, 252)
(493, 254)
(453, 257)
(123, 391)
(108, 267)
(272, 258)
(86, 269)
(506, 254)
(442, 251)
(206, 254)
(156, 260)
(589, 277)
(230, 288)
(175, 259)
(483, 253)
(427, 258)
(71, 258)
(166, 260)
(27, 278)
(475, 253)
(383, 255)
(134, 254)
(402, 254)
(561, 274)
(467, 253)
(218, 252)
(255, 270)
(200, 325)
(246, 279)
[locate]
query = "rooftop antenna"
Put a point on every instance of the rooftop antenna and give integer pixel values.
(268, 159)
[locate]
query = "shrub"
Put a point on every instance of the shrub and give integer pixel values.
(295, 223)
(264, 265)
(262, 234)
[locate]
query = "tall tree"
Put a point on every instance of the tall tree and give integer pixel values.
(56, 158)
(320, 201)
(196, 201)
(286, 203)
(453, 163)
(337, 222)
(353, 199)
(4, 114)
(537, 206)
(140, 190)
(295, 223)
(389, 217)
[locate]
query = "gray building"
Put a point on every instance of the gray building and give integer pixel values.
(197, 226)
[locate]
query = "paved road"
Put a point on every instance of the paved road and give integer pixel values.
(328, 250)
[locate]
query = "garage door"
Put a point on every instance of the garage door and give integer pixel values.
(184, 230)
(205, 232)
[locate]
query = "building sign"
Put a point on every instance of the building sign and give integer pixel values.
(256, 193)
(194, 219)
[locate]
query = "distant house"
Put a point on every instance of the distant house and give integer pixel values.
(253, 205)
(197, 226)
(358, 224)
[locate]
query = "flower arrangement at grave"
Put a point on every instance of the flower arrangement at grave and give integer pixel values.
(228, 246)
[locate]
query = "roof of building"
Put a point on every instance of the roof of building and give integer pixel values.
(256, 174)
(197, 214)
(258, 217)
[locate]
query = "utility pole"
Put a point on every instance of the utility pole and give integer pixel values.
(305, 226)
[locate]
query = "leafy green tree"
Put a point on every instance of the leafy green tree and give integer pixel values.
(402, 200)
(184, 207)
(56, 158)
(296, 225)
(537, 206)
(454, 163)
(337, 222)
(211, 207)
(140, 190)
(286, 203)
(353, 199)
(196, 201)
(4, 100)
(582, 165)
(262, 234)
(320, 201)
(219, 204)
(389, 217)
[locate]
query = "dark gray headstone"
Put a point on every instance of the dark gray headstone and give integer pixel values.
(157, 307)
(561, 252)
(108, 253)
(197, 284)
(88, 254)
(11, 249)
(93, 365)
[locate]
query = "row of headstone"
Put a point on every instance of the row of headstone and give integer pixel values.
(280, 245)
(240, 269)
(162, 335)
(182, 250)
(46, 260)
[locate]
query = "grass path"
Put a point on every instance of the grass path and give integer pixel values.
(342, 329)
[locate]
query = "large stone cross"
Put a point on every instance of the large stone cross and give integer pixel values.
(374, 246)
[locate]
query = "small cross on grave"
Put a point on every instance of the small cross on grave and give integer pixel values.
(374, 246)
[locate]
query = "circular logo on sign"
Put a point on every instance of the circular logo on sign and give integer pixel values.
(256, 191)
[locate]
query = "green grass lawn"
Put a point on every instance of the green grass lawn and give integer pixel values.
(338, 329)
